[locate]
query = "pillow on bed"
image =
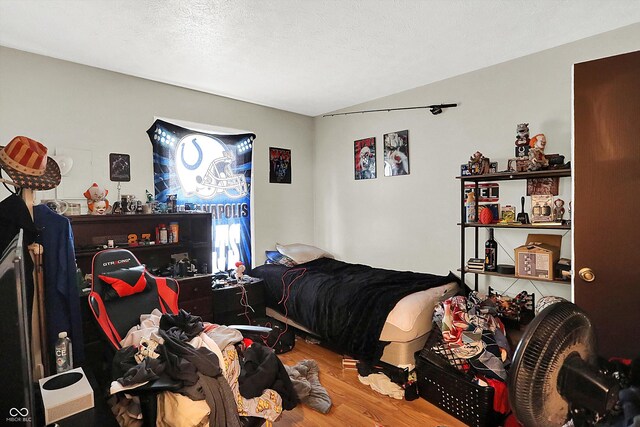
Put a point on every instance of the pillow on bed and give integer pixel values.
(275, 257)
(301, 253)
(124, 282)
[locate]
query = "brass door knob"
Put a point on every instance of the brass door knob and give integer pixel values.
(587, 274)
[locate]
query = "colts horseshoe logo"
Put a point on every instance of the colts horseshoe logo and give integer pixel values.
(14, 412)
(196, 165)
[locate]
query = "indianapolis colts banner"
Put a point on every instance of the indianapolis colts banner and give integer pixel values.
(213, 173)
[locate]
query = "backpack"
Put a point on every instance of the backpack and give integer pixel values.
(281, 339)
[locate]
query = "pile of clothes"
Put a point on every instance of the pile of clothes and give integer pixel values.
(204, 359)
(474, 341)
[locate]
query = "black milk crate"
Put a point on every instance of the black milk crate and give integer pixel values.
(448, 389)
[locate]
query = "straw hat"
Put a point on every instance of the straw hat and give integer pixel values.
(25, 161)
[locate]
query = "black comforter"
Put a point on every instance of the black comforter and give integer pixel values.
(345, 304)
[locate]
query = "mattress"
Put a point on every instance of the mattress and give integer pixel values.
(412, 315)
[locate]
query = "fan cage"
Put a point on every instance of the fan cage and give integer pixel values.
(558, 331)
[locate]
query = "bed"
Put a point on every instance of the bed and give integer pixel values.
(368, 313)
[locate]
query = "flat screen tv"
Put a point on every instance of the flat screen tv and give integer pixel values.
(17, 402)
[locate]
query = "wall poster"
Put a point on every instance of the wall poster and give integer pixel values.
(119, 167)
(364, 151)
(279, 165)
(396, 153)
(212, 171)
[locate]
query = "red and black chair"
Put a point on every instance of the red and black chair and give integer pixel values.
(123, 289)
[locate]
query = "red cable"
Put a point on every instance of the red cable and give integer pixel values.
(286, 292)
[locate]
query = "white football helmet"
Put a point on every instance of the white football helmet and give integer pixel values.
(203, 166)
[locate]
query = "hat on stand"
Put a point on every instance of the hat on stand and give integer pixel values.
(27, 164)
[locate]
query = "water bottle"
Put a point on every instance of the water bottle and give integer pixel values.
(64, 355)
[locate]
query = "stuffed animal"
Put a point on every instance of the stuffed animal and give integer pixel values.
(240, 271)
(537, 160)
(96, 199)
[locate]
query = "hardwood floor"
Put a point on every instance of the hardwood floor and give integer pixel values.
(355, 404)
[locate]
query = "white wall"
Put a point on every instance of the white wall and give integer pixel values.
(93, 112)
(409, 222)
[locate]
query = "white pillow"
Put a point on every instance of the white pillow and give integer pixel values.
(302, 253)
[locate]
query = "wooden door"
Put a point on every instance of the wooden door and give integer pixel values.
(607, 199)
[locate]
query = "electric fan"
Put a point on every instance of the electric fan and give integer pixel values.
(554, 374)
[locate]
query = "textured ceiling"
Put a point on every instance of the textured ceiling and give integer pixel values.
(304, 56)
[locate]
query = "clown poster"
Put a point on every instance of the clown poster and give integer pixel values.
(212, 172)
(396, 153)
(364, 151)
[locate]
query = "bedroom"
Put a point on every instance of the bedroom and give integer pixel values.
(401, 223)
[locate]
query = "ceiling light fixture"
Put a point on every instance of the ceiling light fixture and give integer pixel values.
(435, 109)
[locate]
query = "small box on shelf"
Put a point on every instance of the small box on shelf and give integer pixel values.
(538, 256)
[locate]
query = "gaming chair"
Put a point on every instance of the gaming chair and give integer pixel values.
(122, 289)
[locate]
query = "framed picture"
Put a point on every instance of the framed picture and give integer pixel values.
(396, 153)
(364, 155)
(542, 186)
(541, 208)
(279, 165)
(119, 167)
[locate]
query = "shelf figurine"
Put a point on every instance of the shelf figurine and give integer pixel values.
(479, 164)
(240, 271)
(522, 140)
(558, 209)
(537, 160)
(96, 200)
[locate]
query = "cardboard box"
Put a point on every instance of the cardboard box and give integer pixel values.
(538, 256)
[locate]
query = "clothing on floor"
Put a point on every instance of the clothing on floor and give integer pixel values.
(306, 382)
(62, 301)
(382, 384)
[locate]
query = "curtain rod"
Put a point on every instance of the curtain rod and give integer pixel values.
(435, 109)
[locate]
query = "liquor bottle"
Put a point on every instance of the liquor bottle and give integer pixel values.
(490, 253)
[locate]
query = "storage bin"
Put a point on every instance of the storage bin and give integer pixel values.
(448, 389)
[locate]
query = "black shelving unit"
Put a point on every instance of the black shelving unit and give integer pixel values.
(492, 177)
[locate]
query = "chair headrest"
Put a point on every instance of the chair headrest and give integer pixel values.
(117, 273)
